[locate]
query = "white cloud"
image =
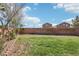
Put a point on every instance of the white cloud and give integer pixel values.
(68, 20)
(26, 8)
(74, 8)
(33, 26)
(54, 24)
(60, 5)
(40, 25)
(31, 19)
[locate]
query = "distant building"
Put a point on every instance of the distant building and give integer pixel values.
(63, 25)
(47, 25)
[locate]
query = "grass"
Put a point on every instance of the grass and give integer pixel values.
(49, 45)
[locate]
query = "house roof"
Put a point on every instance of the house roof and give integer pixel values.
(64, 23)
(47, 23)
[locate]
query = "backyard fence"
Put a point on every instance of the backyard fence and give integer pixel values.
(50, 31)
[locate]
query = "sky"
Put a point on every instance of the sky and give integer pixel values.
(36, 14)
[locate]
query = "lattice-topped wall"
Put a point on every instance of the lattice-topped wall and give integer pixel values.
(49, 31)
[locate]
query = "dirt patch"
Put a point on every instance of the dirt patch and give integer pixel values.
(11, 48)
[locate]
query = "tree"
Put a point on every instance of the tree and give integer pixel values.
(10, 16)
(76, 22)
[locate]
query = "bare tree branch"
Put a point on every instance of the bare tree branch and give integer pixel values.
(1, 22)
(14, 14)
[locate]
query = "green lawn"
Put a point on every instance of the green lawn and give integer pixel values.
(49, 45)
